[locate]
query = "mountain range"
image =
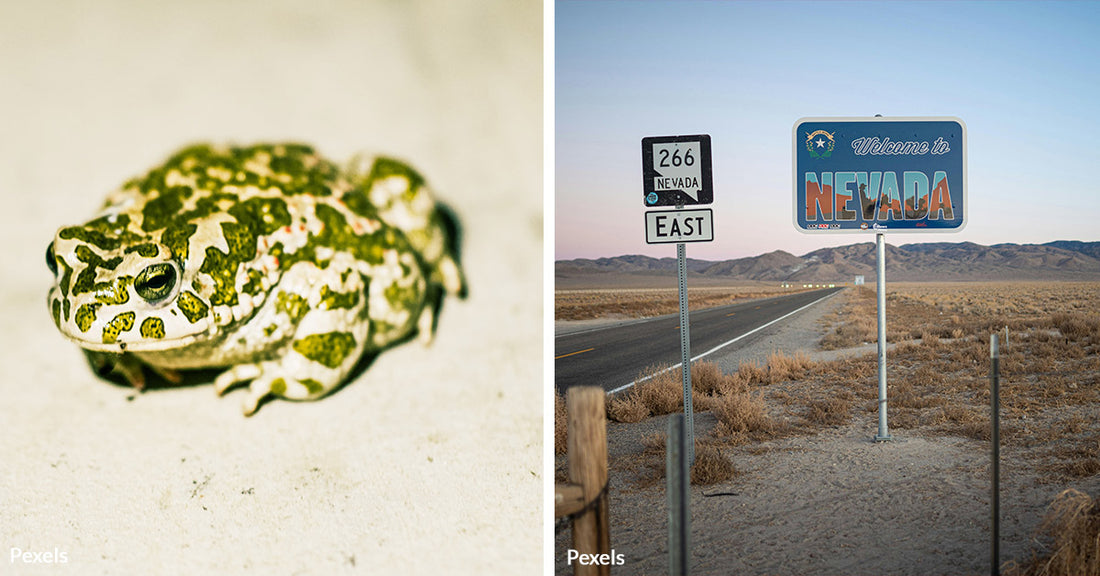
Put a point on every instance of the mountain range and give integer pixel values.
(938, 261)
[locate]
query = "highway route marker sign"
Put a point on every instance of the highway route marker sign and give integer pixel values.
(676, 170)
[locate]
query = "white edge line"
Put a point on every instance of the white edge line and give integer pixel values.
(723, 345)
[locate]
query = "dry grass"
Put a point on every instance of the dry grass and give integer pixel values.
(1050, 361)
(782, 367)
(707, 378)
(1073, 525)
(628, 408)
(646, 303)
(710, 467)
(741, 413)
(860, 324)
(749, 372)
(1077, 328)
(779, 367)
(830, 412)
(662, 392)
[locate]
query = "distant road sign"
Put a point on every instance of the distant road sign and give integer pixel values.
(879, 174)
(672, 226)
(676, 170)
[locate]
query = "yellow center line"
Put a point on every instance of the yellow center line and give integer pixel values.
(574, 353)
(730, 314)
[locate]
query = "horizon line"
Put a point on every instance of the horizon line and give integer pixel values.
(872, 242)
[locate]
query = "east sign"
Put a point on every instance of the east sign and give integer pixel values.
(879, 174)
(673, 226)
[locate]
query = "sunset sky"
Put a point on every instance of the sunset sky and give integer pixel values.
(1023, 76)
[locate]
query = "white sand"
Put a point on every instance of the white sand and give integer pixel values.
(430, 462)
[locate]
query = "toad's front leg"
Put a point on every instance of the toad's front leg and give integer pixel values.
(316, 364)
(321, 313)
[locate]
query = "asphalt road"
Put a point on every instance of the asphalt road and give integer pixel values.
(613, 356)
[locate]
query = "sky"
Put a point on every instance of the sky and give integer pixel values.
(1023, 76)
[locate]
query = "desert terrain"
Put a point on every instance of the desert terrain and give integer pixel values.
(787, 478)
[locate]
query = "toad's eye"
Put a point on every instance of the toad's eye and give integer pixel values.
(51, 259)
(156, 282)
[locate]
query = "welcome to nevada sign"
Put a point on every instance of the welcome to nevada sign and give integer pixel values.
(879, 174)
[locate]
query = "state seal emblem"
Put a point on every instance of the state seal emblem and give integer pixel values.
(820, 144)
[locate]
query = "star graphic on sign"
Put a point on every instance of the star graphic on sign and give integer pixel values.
(820, 143)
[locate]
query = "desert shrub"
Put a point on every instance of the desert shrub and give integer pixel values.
(782, 367)
(654, 443)
(971, 353)
(1072, 523)
(1082, 468)
(833, 411)
(710, 466)
(961, 414)
(1076, 326)
(703, 402)
(926, 375)
(749, 372)
(663, 393)
(627, 407)
(660, 391)
(975, 429)
(931, 339)
(741, 413)
(854, 332)
(707, 378)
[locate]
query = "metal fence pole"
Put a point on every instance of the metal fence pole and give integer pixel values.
(995, 501)
(880, 285)
(678, 477)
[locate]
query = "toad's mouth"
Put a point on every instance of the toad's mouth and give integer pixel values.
(122, 346)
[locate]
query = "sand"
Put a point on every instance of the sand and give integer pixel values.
(428, 463)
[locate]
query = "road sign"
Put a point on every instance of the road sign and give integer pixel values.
(673, 226)
(676, 170)
(879, 174)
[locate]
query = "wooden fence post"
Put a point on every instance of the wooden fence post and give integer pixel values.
(588, 469)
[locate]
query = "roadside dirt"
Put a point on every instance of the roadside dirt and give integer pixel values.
(828, 501)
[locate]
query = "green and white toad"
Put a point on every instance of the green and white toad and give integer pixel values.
(266, 260)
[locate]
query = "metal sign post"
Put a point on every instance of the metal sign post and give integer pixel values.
(676, 171)
(685, 353)
(995, 405)
(677, 481)
(875, 175)
(880, 285)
